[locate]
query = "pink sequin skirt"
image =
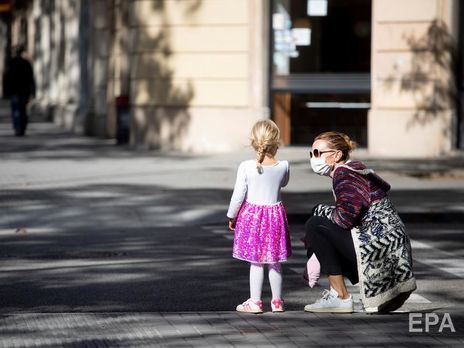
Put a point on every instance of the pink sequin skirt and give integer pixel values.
(262, 234)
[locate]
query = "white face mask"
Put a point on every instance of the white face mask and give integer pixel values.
(320, 166)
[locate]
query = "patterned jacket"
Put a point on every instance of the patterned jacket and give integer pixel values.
(382, 246)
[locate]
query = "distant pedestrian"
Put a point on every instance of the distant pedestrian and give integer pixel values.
(19, 87)
(257, 215)
(361, 237)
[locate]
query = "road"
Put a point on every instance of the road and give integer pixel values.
(90, 227)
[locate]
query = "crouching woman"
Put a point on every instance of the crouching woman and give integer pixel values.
(361, 237)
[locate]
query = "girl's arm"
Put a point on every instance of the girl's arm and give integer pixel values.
(239, 193)
(287, 176)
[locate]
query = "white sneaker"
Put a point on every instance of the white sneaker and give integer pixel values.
(250, 306)
(331, 303)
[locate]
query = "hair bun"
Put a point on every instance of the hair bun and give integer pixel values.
(351, 144)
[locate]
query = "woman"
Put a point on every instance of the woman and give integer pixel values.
(361, 237)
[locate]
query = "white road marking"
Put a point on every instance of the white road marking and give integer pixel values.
(443, 260)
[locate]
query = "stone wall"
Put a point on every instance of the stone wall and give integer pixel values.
(413, 95)
(193, 72)
(54, 47)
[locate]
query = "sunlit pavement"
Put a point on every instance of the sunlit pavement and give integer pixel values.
(224, 329)
(104, 246)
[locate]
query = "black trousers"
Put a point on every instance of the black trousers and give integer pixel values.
(19, 114)
(333, 247)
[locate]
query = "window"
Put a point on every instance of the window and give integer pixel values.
(321, 68)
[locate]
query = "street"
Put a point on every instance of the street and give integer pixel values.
(101, 245)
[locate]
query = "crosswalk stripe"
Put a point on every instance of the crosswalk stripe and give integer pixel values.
(440, 259)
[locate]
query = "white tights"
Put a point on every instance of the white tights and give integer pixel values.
(257, 277)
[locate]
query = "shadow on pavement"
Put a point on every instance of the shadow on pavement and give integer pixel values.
(114, 247)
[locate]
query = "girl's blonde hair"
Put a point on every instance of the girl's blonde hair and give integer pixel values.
(265, 139)
(338, 141)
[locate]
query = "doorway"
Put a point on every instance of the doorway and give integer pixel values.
(320, 76)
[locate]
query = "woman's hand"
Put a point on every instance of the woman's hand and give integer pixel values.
(232, 224)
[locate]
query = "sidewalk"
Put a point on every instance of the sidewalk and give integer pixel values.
(95, 265)
(224, 329)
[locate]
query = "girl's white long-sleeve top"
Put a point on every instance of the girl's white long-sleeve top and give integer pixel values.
(256, 188)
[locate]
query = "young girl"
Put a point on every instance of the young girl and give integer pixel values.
(258, 217)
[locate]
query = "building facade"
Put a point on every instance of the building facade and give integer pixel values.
(199, 73)
(417, 81)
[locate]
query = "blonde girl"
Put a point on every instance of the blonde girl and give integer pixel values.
(258, 217)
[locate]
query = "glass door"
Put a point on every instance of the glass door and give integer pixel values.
(320, 67)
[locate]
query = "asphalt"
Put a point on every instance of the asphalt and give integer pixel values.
(103, 245)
